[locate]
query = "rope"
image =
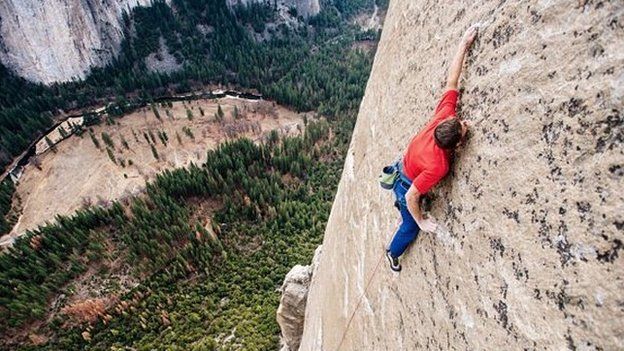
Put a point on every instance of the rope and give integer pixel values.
(344, 334)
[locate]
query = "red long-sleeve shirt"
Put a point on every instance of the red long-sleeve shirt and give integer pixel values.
(425, 163)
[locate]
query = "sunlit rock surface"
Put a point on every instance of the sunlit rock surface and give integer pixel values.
(59, 40)
(292, 306)
(305, 8)
(531, 254)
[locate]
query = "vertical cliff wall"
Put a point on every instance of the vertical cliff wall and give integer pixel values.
(533, 207)
(57, 40)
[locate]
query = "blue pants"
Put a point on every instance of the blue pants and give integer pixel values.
(408, 230)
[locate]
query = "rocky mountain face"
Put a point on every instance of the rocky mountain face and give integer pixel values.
(305, 8)
(291, 310)
(59, 40)
(531, 253)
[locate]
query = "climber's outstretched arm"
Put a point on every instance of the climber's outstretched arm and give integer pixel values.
(412, 197)
(456, 65)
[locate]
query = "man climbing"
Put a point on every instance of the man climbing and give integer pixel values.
(426, 160)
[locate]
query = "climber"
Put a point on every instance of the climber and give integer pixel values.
(426, 160)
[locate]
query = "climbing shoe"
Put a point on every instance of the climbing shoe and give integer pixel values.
(394, 262)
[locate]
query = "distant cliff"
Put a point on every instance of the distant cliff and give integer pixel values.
(533, 206)
(61, 40)
(58, 40)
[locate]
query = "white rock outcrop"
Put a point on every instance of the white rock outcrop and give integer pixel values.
(305, 8)
(291, 311)
(59, 40)
(532, 257)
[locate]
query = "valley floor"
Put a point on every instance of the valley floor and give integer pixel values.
(79, 173)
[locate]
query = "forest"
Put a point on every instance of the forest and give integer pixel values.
(210, 244)
(162, 234)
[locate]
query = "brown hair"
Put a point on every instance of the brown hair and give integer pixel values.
(448, 133)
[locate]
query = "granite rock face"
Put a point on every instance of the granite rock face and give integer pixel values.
(59, 40)
(531, 253)
(305, 8)
(290, 313)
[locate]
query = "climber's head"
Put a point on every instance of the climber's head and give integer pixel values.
(450, 133)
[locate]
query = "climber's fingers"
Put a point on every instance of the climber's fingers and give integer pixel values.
(471, 34)
(428, 224)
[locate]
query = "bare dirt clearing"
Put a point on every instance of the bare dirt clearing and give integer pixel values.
(370, 21)
(143, 143)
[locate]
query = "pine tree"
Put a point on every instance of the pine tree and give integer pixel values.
(154, 152)
(155, 111)
(94, 139)
(220, 113)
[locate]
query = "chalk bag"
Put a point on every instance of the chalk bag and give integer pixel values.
(388, 177)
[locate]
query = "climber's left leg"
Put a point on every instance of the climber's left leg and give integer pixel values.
(408, 230)
(405, 234)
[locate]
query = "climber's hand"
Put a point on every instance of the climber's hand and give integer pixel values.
(469, 36)
(428, 224)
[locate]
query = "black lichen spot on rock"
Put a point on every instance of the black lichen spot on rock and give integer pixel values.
(617, 170)
(574, 107)
(481, 71)
(611, 254)
(512, 214)
(544, 228)
(567, 143)
(535, 17)
(504, 289)
(571, 345)
(619, 225)
(560, 298)
(563, 246)
(602, 193)
(520, 272)
(497, 246)
(501, 308)
(532, 197)
(505, 126)
(612, 132)
(476, 190)
(501, 35)
(459, 15)
(579, 178)
(583, 208)
(555, 172)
